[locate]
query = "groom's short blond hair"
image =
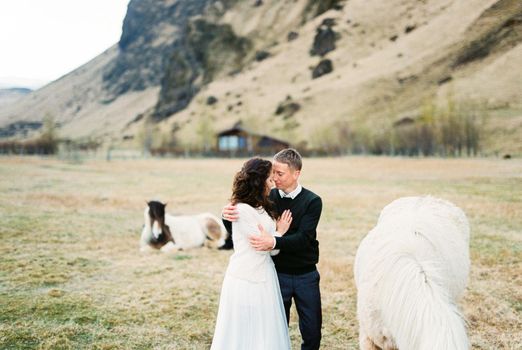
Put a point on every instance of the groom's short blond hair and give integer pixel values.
(291, 157)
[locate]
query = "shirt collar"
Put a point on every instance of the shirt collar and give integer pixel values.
(292, 194)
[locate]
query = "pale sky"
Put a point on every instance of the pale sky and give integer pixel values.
(41, 40)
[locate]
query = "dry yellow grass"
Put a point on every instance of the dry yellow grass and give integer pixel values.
(71, 275)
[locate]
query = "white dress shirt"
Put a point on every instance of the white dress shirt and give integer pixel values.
(292, 194)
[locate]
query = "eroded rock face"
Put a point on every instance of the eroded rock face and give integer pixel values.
(176, 45)
(287, 108)
(152, 31)
(291, 36)
(325, 37)
(163, 43)
(492, 33)
(211, 100)
(209, 49)
(181, 46)
(324, 67)
(317, 7)
(262, 55)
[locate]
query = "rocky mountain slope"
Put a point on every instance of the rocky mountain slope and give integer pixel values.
(300, 70)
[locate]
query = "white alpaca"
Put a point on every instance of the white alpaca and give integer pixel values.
(409, 271)
(171, 233)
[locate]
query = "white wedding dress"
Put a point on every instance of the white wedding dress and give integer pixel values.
(251, 314)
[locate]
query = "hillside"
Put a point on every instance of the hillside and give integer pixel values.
(11, 95)
(306, 71)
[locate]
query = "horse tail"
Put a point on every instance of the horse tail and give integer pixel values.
(215, 232)
(409, 271)
(417, 306)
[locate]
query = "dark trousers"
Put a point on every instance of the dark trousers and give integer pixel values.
(304, 289)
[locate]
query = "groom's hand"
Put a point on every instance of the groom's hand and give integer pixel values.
(263, 242)
(229, 212)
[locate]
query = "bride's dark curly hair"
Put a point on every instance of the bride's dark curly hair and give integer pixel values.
(250, 185)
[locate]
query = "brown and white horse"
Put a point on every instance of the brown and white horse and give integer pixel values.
(171, 233)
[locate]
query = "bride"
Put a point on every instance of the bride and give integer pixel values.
(251, 314)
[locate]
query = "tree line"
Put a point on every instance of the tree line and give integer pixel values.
(451, 131)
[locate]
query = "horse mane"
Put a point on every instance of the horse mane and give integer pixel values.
(157, 213)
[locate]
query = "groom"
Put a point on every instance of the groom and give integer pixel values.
(299, 248)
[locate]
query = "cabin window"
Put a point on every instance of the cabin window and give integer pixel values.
(231, 142)
(242, 142)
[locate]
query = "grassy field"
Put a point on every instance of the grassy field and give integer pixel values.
(71, 275)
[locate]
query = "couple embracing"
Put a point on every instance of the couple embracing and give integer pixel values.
(274, 259)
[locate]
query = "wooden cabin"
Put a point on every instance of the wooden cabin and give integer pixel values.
(238, 141)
